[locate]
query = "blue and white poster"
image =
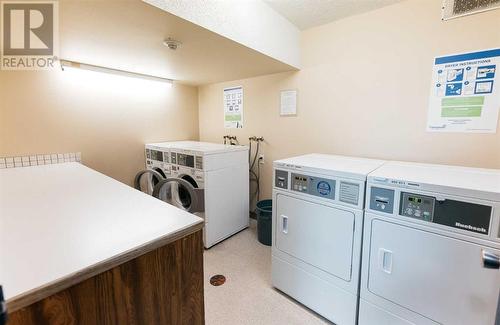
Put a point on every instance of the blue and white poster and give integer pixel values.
(465, 93)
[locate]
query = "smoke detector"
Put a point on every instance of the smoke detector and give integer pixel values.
(171, 43)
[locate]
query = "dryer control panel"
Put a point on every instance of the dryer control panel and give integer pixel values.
(442, 210)
(281, 179)
(417, 206)
(467, 216)
(316, 186)
(344, 191)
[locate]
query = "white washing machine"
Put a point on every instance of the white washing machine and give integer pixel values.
(208, 179)
(431, 246)
(317, 223)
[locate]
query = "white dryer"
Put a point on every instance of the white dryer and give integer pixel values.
(317, 223)
(431, 246)
(208, 179)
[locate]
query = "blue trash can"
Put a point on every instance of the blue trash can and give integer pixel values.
(264, 211)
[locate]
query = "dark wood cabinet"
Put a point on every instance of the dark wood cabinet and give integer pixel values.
(163, 286)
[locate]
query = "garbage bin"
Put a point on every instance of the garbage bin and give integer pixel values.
(264, 221)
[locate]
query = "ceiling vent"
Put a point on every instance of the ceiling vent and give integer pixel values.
(459, 8)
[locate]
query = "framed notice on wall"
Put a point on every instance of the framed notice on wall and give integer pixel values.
(288, 103)
(233, 108)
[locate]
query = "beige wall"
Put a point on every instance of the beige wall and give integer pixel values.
(108, 118)
(363, 91)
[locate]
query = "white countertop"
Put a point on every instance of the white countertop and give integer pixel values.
(58, 220)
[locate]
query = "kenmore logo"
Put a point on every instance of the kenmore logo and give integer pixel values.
(469, 227)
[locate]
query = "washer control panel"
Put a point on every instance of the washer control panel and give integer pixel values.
(155, 155)
(317, 186)
(199, 162)
(417, 206)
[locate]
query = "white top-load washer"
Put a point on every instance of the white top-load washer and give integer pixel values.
(431, 246)
(317, 229)
(208, 179)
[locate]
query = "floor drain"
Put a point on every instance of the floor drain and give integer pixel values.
(217, 280)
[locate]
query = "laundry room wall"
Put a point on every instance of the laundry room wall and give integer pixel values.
(363, 90)
(107, 118)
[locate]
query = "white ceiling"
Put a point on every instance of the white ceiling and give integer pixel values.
(309, 13)
(251, 23)
(128, 35)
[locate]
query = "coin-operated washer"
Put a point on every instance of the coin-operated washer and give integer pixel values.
(431, 245)
(157, 168)
(208, 179)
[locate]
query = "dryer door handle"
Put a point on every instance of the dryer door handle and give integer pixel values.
(385, 260)
(490, 260)
(284, 224)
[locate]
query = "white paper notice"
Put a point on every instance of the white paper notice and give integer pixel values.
(465, 93)
(288, 102)
(233, 108)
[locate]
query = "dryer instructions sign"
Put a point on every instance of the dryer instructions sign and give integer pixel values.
(465, 93)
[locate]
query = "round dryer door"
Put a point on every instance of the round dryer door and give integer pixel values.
(146, 180)
(180, 193)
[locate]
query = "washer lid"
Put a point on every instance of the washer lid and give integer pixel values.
(333, 165)
(477, 183)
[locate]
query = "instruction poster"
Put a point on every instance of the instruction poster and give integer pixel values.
(233, 108)
(465, 93)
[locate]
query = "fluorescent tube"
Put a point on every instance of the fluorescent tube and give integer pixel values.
(90, 67)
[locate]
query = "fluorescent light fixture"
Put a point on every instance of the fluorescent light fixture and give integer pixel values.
(90, 67)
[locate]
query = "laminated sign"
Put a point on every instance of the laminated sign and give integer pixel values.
(465, 93)
(233, 107)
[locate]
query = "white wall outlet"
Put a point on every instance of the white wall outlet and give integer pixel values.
(261, 158)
